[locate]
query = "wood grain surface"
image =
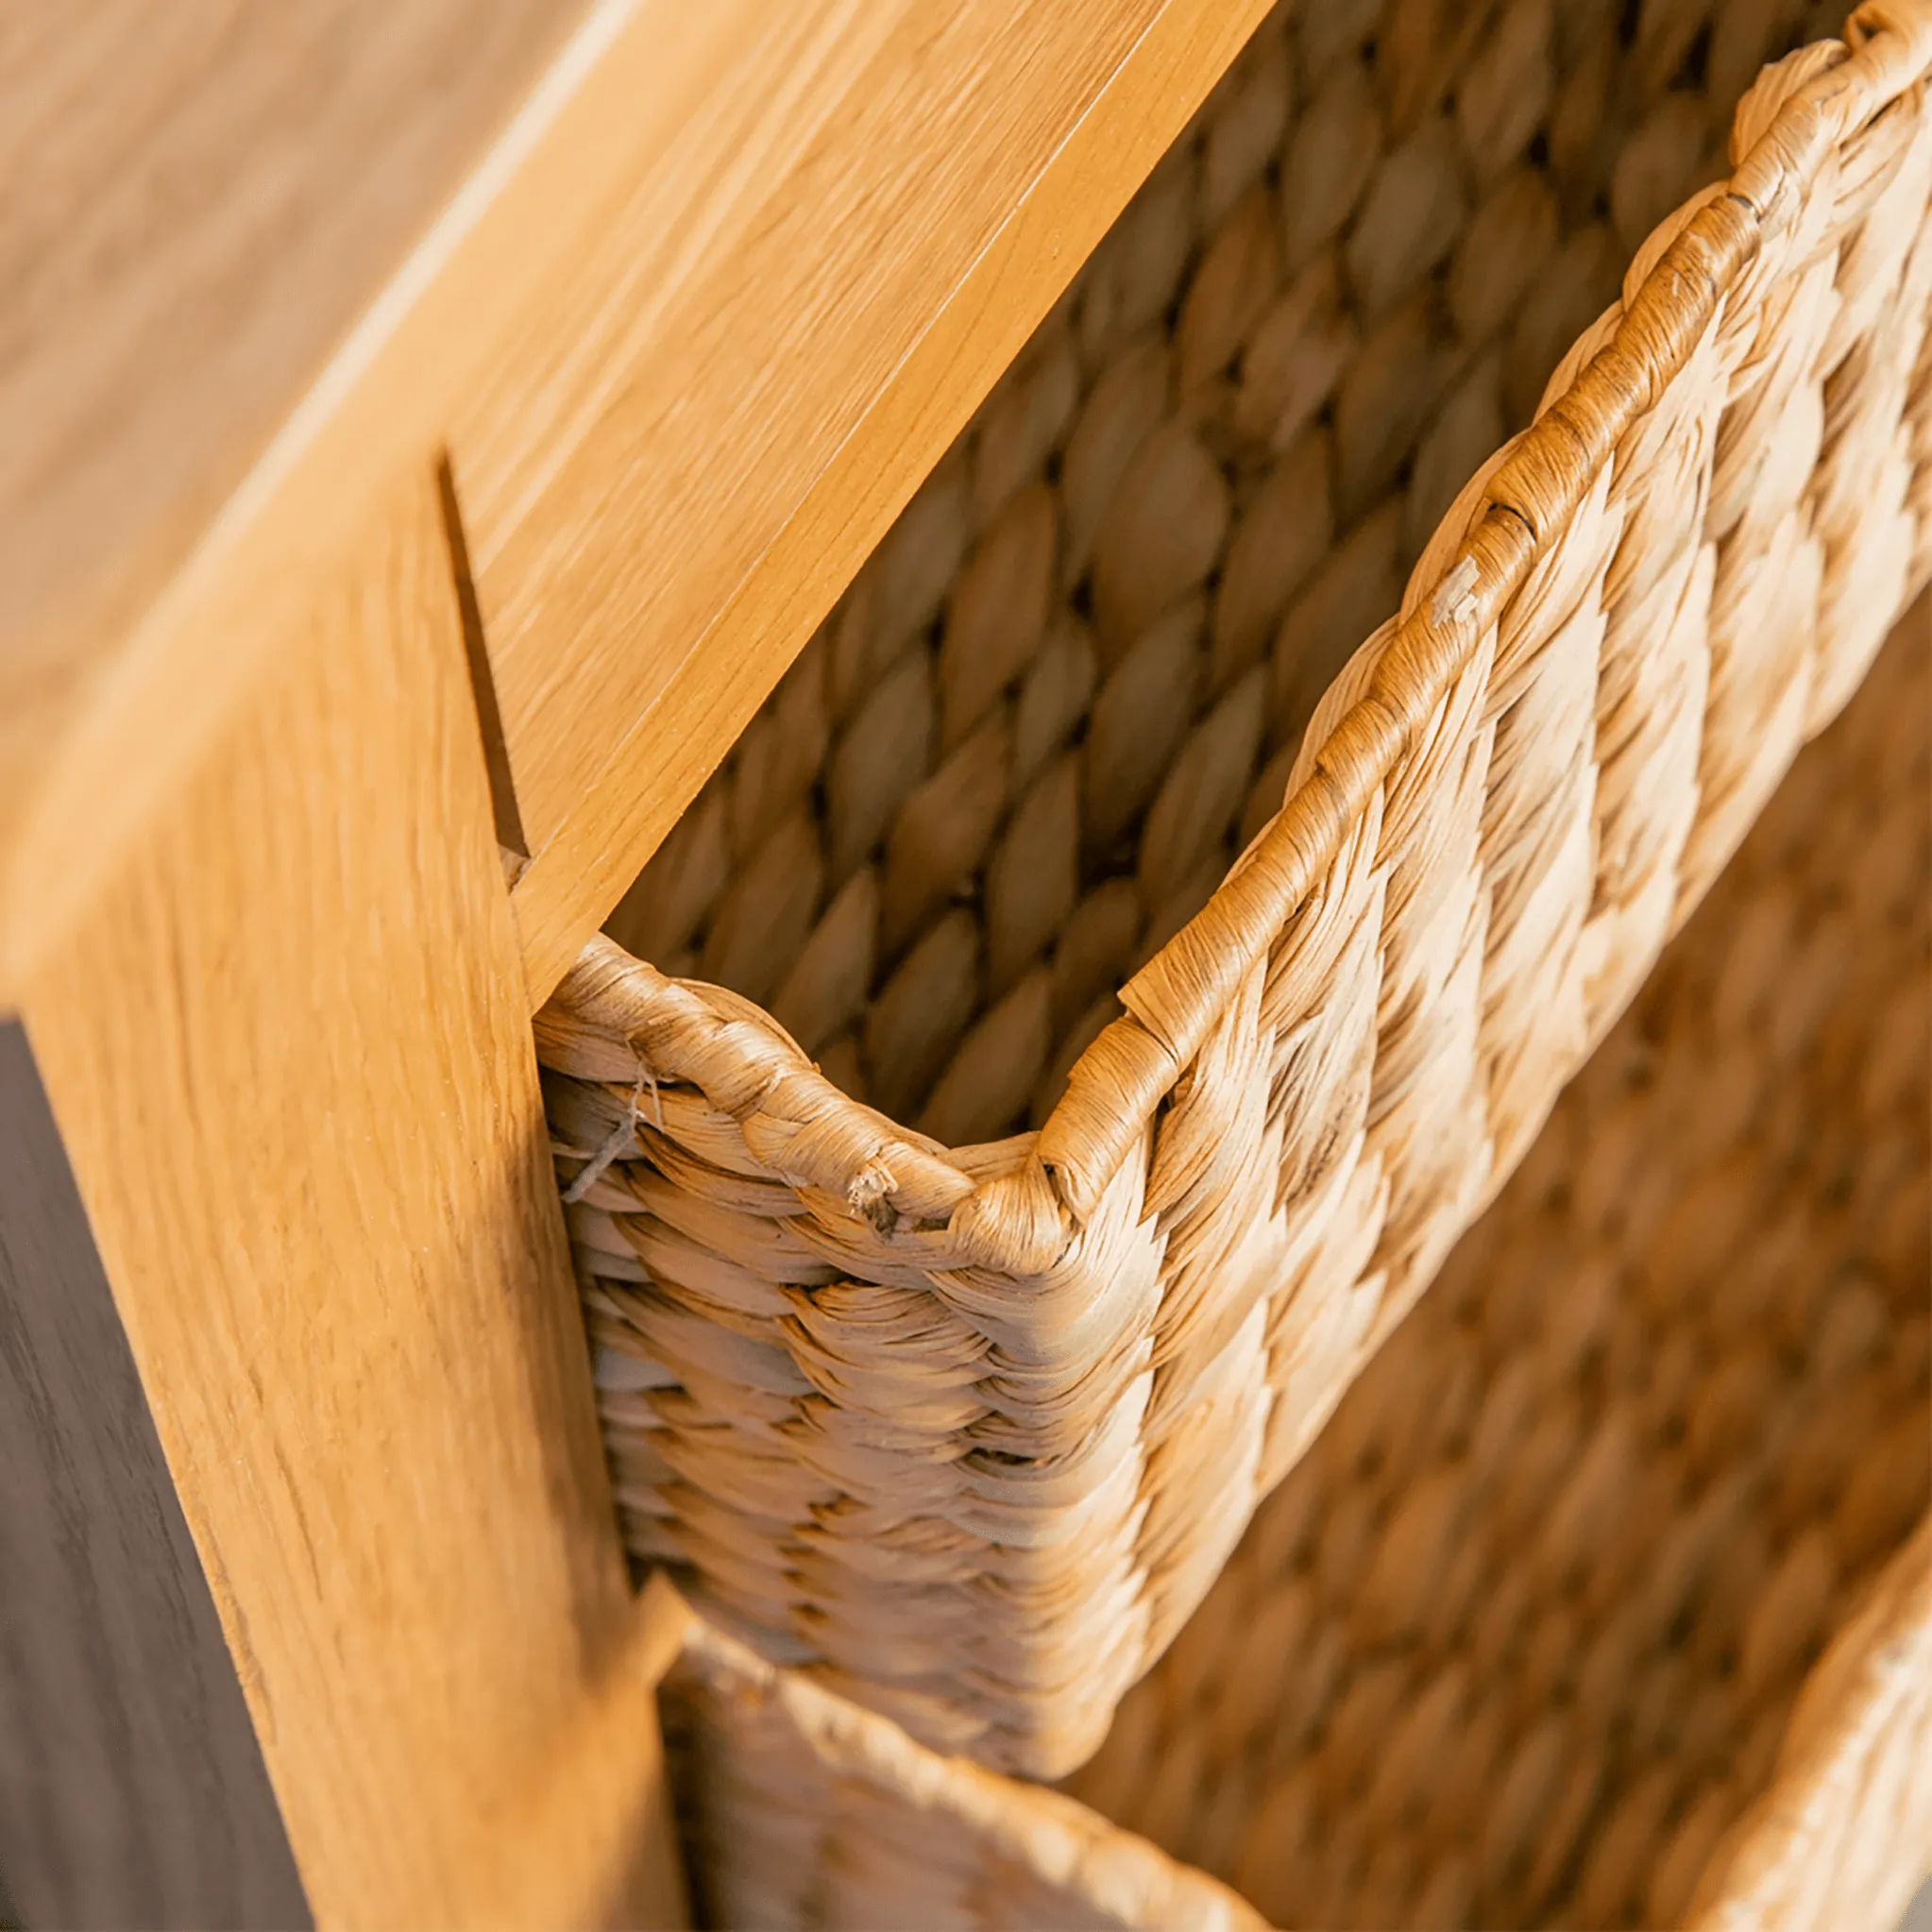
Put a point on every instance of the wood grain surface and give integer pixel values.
(782, 328)
(133, 1792)
(288, 1052)
(691, 335)
(201, 198)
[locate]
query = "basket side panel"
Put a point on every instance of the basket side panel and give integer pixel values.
(966, 1431)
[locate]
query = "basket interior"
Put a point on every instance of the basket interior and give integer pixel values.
(1518, 1640)
(1067, 687)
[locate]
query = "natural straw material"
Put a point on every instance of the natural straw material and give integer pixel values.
(971, 1429)
(1599, 1602)
(799, 1808)
(1518, 1641)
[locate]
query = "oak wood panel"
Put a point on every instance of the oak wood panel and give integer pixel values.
(287, 1047)
(613, 103)
(691, 334)
(690, 447)
(200, 198)
(133, 1792)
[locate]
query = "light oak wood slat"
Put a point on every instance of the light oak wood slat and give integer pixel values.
(287, 1049)
(740, 388)
(200, 198)
(691, 334)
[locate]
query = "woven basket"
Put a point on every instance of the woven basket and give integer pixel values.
(1605, 1598)
(968, 1425)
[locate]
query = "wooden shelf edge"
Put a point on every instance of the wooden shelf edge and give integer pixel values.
(253, 918)
(686, 714)
(530, 336)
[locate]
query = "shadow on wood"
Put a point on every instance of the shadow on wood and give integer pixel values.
(133, 1792)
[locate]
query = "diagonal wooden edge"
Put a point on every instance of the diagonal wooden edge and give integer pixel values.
(591, 323)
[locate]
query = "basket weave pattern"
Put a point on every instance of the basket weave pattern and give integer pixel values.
(801, 1809)
(972, 1430)
(1599, 1601)
(1518, 1640)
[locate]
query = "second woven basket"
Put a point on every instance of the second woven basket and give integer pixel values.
(967, 1419)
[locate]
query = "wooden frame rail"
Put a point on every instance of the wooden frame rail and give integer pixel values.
(680, 348)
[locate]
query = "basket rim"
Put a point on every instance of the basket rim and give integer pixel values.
(1853, 1697)
(1018, 1205)
(1045, 1831)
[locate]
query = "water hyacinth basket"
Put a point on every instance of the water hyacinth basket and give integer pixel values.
(1064, 1039)
(1605, 1597)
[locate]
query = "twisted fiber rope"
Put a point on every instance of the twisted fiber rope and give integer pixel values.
(1528, 1637)
(799, 1809)
(971, 1431)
